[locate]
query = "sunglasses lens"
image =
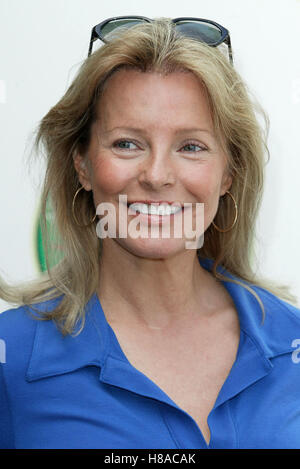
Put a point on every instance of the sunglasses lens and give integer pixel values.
(114, 27)
(201, 31)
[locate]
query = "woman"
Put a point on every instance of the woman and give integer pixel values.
(141, 342)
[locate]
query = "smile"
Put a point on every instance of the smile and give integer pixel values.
(151, 209)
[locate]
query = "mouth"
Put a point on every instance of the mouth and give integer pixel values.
(154, 209)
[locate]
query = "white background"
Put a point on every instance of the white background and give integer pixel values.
(42, 44)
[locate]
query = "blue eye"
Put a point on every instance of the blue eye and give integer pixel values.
(188, 147)
(192, 147)
(121, 144)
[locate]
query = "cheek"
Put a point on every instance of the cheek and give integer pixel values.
(203, 183)
(110, 177)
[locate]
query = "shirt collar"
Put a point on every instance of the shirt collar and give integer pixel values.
(273, 332)
(54, 354)
(97, 345)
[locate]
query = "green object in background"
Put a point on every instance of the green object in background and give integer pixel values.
(40, 248)
(54, 253)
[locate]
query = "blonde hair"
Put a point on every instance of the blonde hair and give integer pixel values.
(151, 47)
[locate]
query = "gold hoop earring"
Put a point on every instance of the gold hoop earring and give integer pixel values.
(73, 211)
(235, 216)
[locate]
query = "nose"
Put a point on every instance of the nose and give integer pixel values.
(157, 171)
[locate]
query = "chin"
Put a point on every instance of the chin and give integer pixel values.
(153, 248)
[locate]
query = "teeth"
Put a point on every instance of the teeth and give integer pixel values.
(154, 209)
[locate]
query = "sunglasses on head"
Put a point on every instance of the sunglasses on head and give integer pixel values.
(203, 30)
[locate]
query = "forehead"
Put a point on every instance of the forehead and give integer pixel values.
(132, 97)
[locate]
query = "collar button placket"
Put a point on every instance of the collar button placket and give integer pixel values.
(183, 428)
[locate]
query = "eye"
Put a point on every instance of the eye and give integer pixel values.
(123, 144)
(192, 147)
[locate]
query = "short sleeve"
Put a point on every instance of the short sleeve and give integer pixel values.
(6, 428)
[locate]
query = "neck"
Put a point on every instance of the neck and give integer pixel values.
(154, 292)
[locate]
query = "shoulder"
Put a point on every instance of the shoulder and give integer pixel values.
(17, 331)
(274, 303)
(17, 334)
(37, 348)
(256, 299)
(23, 319)
(279, 325)
(268, 319)
(16, 324)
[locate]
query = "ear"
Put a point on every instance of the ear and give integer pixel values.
(226, 182)
(81, 166)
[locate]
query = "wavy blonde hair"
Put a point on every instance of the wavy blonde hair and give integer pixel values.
(151, 47)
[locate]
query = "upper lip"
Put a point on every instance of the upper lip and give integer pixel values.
(157, 202)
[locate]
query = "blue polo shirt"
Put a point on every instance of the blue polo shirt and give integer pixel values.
(82, 392)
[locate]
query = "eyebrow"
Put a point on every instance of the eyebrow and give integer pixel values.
(177, 131)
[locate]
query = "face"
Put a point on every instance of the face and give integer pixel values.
(154, 142)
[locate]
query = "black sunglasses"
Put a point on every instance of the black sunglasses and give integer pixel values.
(203, 30)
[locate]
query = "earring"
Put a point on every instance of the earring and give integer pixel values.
(235, 216)
(73, 211)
